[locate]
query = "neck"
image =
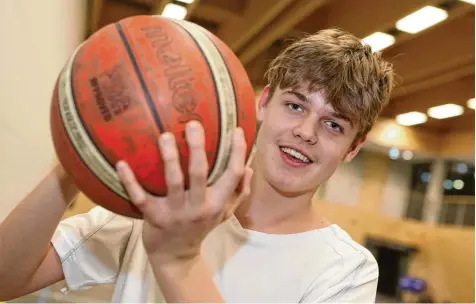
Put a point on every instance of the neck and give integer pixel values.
(270, 210)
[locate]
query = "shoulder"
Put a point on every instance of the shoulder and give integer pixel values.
(351, 271)
(354, 257)
(99, 227)
(91, 246)
(96, 219)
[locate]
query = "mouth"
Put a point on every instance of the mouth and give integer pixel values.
(295, 157)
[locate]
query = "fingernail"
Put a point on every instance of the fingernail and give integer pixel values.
(193, 125)
(166, 137)
(121, 165)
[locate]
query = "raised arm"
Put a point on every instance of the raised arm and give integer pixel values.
(28, 261)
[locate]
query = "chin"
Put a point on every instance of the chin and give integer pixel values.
(289, 190)
(288, 184)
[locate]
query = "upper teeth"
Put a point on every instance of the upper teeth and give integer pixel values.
(296, 154)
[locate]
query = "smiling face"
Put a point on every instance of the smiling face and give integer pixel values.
(302, 140)
(314, 83)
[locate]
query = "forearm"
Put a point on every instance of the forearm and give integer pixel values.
(185, 281)
(26, 233)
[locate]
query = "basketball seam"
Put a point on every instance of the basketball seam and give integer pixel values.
(63, 105)
(215, 160)
(145, 90)
(221, 69)
(231, 78)
(232, 84)
(81, 119)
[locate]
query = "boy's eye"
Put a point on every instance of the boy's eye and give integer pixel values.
(334, 126)
(294, 107)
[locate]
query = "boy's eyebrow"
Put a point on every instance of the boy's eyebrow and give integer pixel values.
(300, 96)
(334, 114)
(343, 117)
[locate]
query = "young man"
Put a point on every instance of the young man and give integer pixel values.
(254, 236)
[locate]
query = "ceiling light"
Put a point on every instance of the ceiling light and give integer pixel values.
(458, 184)
(174, 11)
(390, 133)
(407, 155)
(185, 1)
(421, 19)
(445, 111)
(393, 153)
(378, 41)
(462, 168)
(473, 2)
(471, 103)
(425, 177)
(411, 118)
(448, 184)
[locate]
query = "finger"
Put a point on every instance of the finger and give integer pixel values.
(244, 193)
(198, 165)
(152, 209)
(172, 170)
(234, 172)
(135, 191)
(240, 185)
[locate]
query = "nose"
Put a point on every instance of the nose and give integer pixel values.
(306, 130)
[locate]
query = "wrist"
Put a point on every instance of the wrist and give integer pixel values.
(185, 280)
(172, 260)
(169, 265)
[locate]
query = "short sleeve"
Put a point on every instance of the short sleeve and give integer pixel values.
(353, 285)
(91, 247)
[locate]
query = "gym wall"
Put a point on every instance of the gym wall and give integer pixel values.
(37, 38)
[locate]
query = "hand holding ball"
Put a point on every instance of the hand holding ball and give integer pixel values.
(134, 80)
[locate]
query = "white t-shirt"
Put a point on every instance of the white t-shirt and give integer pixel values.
(323, 265)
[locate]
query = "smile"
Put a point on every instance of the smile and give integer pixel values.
(296, 155)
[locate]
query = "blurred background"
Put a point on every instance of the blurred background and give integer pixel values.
(408, 196)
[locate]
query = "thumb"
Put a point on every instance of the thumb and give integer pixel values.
(245, 181)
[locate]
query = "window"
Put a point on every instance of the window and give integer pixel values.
(458, 194)
(468, 219)
(421, 175)
(449, 213)
(459, 179)
(460, 214)
(419, 183)
(415, 206)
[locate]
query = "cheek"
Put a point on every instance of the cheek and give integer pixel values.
(329, 160)
(272, 127)
(331, 153)
(282, 126)
(264, 137)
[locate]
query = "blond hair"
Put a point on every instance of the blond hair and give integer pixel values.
(355, 81)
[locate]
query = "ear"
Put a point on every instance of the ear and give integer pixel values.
(354, 149)
(263, 100)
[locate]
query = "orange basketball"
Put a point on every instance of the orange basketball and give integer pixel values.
(130, 82)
